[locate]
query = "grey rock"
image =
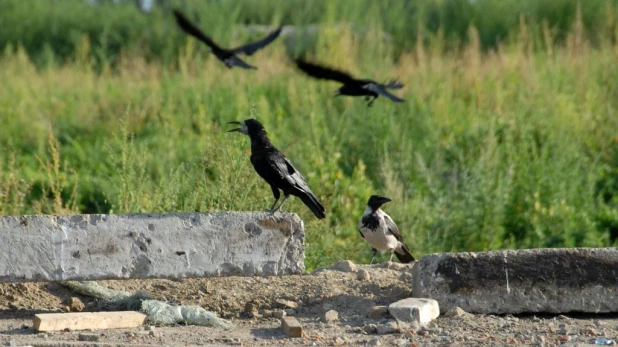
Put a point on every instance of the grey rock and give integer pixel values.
(345, 266)
(363, 275)
(516, 281)
(455, 312)
(376, 312)
(88, 337)
(419, 310)
(390, 327)
(330, 316)
(279, 314)
(374, 342)
(370, 328)
(175, 245)
(290, 312)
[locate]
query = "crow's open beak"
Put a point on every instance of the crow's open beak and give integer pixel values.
(237, 123)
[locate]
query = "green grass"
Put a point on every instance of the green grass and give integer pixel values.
(507, 148)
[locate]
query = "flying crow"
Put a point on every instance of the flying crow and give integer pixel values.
(351, 86)
(380, 231)
(227, 56)
(276, 169)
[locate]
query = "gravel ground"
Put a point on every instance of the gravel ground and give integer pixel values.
(254, 305)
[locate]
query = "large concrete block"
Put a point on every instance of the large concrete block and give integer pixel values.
(95, 247)
(515, 281)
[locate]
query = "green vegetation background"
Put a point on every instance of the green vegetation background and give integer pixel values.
(508, 137)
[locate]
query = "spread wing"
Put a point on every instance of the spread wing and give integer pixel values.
(392, 227)
(194, 31)
(251, 48)
(322, 72)
(381, 90)
(235, 61)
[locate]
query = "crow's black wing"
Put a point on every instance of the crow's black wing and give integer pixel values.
(287, 178)
(192, 30)
(323, 72)
(392, 228)
(251, 48)
(381, 90)
(235, 61)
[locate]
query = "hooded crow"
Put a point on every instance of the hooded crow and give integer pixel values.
(276, 169)
(381, 232)
(351, 86)
(227, 56)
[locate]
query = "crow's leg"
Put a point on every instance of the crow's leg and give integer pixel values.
(285, 197)
(392, 252)
(372, 100)
(276, 194)
(373, 255)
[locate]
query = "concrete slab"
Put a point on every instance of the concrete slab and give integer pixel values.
(96, 247)
(415, 310)
(516, 281)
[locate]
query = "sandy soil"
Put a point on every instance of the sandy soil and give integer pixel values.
(251, 303)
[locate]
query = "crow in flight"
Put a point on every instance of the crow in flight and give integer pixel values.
(381, 232)
(227, 56)
(276, 169)
(351, 86)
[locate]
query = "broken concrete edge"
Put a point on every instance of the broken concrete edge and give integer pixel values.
(149, 245)
(521, 281)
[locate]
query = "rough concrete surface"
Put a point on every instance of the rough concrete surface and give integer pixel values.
(95, 247)
(516, 281)
(417, 310)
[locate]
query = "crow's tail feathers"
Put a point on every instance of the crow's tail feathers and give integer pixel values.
(405, 256)
(393, 84)
(314, 205)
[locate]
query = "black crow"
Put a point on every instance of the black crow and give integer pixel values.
(381, 232)
(227, 56)
(276, 169)
(351, 86)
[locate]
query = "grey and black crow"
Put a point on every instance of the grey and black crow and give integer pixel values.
(276, 169)
(381, 232)
(227, 56)
(351, 86)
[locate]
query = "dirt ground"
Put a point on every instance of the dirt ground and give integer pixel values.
(252, 303)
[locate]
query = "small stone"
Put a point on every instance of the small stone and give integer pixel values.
(290, 312)
(291, 327)
(563, 317)
(591, 331)
(374, 342)
(88, 337)
(418, 310)
(330, 316)
(363, 275)
(279, 314)
(378, 311)
(149, 328)
(76, 305)
(564, 338)
(387, 328)
(254, 314)
(251, 306)
(345, 266)
(286, 303)
(153, 333)
(455, 312)
(339, 341)
(370, 328)
(540, 339)
(266, 313)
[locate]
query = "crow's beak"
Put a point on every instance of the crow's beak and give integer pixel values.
(237, 123)
(385, 200)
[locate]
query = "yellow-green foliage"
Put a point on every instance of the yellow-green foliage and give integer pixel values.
(508, 148)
